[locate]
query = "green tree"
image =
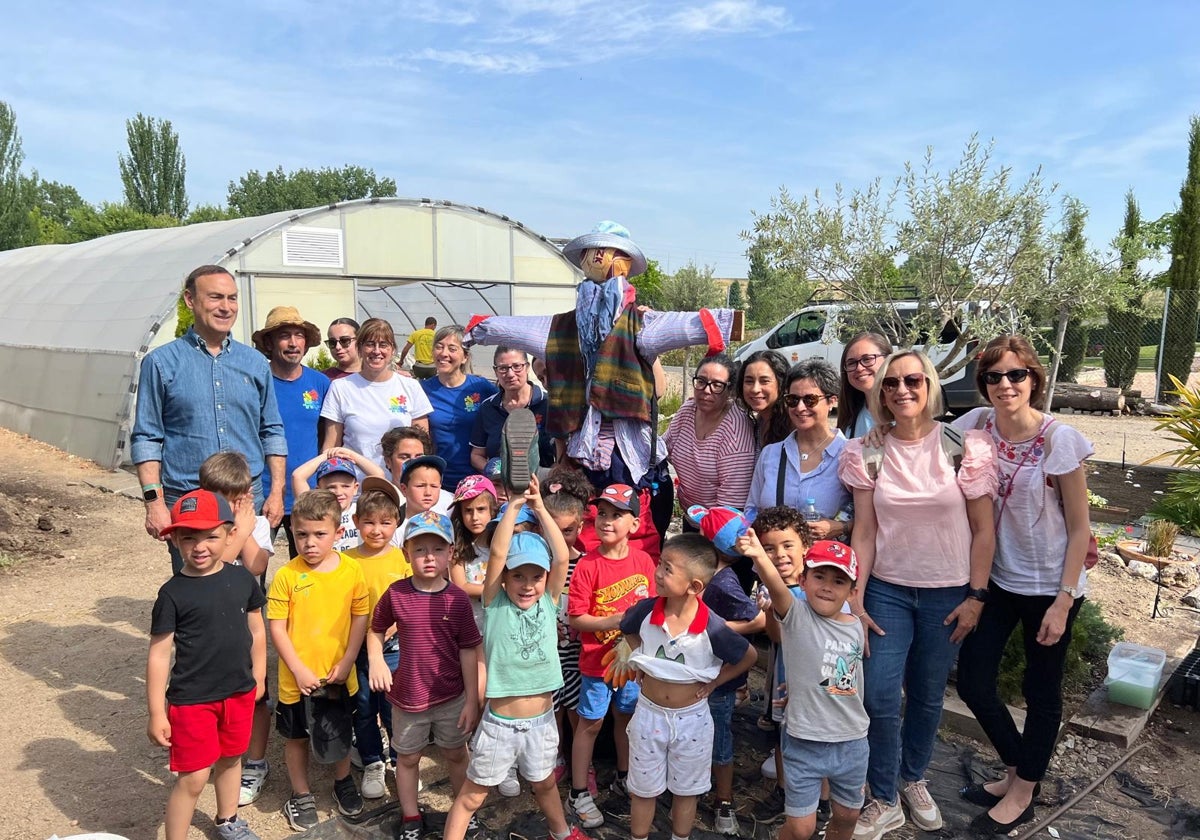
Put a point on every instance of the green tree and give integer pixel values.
(1070, 348)
(155, 170)
(255, 194)
(1183, 277)
(52, 210)
(16, 190)
(209, 213)
(687, 290)
(649, 285)
(89, 222)
(735, 299)
(771, 294)
(980, 233)
(1126, 318)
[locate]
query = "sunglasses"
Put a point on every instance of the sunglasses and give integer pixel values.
(809, 400)
(993, 377)
(713, 385)
(913, 382)
(345, 341)
(514, 368)
(867, 360)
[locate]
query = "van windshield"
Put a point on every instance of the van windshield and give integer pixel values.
(802, 328)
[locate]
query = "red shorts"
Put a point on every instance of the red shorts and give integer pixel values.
(204, 732)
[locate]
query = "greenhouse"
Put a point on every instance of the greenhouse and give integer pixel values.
(77, 319)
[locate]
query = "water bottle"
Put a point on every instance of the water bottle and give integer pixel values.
(811, 514)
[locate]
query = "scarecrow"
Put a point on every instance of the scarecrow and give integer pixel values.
(599, 363)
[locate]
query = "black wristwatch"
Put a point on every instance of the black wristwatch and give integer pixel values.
(150, 492)
(980, 595)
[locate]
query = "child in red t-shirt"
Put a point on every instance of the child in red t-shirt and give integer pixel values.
(607, 581)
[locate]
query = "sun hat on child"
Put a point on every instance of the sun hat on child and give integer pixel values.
(720, 525)
(430, 522)
(528, 549)
(375, 482)
(472, 486)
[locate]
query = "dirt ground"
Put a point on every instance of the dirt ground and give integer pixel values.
(78, 577)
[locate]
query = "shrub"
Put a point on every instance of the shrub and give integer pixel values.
(1091, 639)
(1179, 504)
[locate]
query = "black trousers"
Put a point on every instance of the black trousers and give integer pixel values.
(979, 666)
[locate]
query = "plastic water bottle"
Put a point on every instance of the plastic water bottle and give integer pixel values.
(811, 514)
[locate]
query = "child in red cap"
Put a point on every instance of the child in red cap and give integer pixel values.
(209, 613)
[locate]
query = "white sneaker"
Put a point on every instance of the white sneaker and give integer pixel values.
(878, 818)
(583, 808)
(373, 784)
(511, 786)
(726, 820)
(921, 807)
(768, 766)
(253, 779)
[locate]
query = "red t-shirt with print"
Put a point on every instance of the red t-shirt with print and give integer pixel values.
(600, 586)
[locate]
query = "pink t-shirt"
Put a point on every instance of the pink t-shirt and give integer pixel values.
(923, 538)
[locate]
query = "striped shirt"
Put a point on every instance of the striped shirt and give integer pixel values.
(716, 470)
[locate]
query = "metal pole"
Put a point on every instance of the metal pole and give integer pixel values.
(1162, 341)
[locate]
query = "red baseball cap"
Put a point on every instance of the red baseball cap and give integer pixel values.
(621, 496)
(199, 510)
(832, 553)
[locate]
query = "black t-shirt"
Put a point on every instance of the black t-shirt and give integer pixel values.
(212, 639)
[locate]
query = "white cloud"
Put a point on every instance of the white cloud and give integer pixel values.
(517, 63)
(730, 16)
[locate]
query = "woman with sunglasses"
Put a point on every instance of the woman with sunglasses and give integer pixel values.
(456, 397)
(343, 346)
(860, 360)
(759, 384)
(516, 391)
(924, 536)
(709, 443)
(1037, 579)
(803, 465)
(360, 407)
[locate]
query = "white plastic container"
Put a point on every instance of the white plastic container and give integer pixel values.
(1134, 672)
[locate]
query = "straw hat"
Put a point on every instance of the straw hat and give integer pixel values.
(606, 235)
(285, 316)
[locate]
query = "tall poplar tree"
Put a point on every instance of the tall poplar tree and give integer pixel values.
(1124, 340)
(1183, 277)
(155, 170)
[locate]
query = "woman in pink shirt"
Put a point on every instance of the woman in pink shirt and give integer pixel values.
(924, 536)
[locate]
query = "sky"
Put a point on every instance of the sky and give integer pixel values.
(678, 118)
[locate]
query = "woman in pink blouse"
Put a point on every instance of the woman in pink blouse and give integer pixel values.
(924, 537)
(710, 443)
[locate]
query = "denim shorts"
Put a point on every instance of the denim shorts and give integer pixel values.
(721, 705)
(595, 696)
(806, 763)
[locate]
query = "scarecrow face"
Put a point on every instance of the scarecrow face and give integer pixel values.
(599, 264)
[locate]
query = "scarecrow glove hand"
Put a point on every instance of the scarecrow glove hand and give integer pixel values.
(618, 670)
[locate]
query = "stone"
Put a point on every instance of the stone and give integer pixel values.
(1143, 570)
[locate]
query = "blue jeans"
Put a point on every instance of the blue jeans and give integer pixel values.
(370, 706)
(916, 656)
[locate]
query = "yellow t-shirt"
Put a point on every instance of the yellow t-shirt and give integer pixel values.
(422, 342)
(318, 607)
(381, 571)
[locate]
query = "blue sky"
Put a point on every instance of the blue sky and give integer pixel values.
(675, 117)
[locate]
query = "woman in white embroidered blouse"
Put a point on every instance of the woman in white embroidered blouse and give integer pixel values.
(1038, 576)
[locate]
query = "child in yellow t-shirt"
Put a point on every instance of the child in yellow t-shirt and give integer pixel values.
(317, 608)
(377, 516)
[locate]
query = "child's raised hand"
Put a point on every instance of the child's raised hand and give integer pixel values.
(159, 730)
(749, 546)
(533, 495)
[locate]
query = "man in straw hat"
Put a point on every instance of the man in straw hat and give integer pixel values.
(599, 361)
(299, 390)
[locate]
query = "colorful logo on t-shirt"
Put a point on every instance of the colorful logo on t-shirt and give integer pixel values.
(616, 597)
(471, 402)
(398, 405)
(840, 662)
(312, 400)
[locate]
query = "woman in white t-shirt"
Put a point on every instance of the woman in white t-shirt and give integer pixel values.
(359, 408)
(1038, 577)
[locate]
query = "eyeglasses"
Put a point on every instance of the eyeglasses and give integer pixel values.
(867, 360)
(913, 382)
(344, 341)
(513, 368)
(809, 400)
(993, 377)
(714, 386)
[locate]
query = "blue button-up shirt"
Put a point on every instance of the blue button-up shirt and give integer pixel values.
(192, 404)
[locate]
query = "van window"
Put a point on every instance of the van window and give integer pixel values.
(802, 328)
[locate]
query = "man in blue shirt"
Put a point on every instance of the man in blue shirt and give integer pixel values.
(205, 393)
(299, 390)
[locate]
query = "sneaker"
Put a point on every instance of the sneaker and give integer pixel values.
(409, 829)
(878, 818)
(477, 830)
(560, 769)
(726, 821)
(592, 787)
(921, 807)
(618, 787)
(768, 766)
(374, 785)
(583, 808)
(236, 829)
(346, 794)
(576, 834)
(301, 812)
(254, 776)
(511, 786)
(519, 456)
(824, 810)
(769, 810)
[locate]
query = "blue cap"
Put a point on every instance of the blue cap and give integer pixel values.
(434, 461)
(528, 549)
(336, 465)
(524, 515)
(430, 522)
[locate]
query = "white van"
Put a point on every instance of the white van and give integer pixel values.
(816, 332)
